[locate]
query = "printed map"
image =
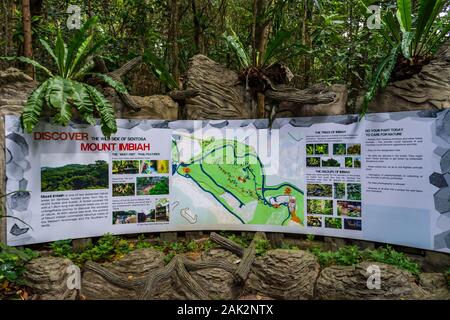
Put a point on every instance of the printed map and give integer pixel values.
(231, 175)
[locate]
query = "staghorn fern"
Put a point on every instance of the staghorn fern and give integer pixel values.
(64, 91)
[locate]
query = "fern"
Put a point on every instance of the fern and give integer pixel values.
(61, 93)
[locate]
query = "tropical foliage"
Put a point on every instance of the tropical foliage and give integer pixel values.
(75, 177)
(64, 89)
(413, 35)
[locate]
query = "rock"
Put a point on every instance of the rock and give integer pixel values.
(284, 274)
(350, 283)
(427, 90)
(153, 107)
(436, 285)
(254, 297)
(13, 75)
(436, 261)
(134, 265)
(48, 278)
(335, 243)
(218, 283)
(337, 107)
(221, 96)
(220, 254)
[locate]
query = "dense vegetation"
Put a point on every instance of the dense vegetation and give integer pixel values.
(75, 177)
(12, 267)
(322, 41)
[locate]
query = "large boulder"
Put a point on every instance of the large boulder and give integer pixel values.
(135, 265)
(48, 278)
(284, 274)
(350, 283)
(220, 94)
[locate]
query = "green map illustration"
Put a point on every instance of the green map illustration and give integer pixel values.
(233, 175)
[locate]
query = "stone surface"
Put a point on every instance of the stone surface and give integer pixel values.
(136, 264)
(436, 261)
(429, 89)
(435, 284)
(221, 96)
(284, 274)
(48, 277)
(153, 107)
(218, 283)
(337, 107)
(342, 282)
(220, 254)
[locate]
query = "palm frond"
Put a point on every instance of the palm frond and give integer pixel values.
(404, 14)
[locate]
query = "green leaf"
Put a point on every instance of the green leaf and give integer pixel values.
(404, 14)
(60, 53)
(381, 77)
(275, 45)
(84, 53)
(242, 55)
(160, 70)
(105, 109)
(82, 100)
(78, 39)
(33, 107)
(406, 44)
(49, 50)
(117, 85)
(59, 92)
(29, 61)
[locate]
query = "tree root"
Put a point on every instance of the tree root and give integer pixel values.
(180, 267)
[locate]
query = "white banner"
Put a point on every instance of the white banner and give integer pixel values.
(384, 178)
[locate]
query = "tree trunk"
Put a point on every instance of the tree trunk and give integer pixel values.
(27, 38)
(172, 39)
(306, 41)
(198, 38)
(261, 28)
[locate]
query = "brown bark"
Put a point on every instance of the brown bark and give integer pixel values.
(172, 39)
(198, 38)
(306, 41)
(261, 28)
(27, 38)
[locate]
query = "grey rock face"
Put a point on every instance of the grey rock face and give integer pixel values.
(342, 282)
(48, 278)
(218, 283)
(284, 274)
